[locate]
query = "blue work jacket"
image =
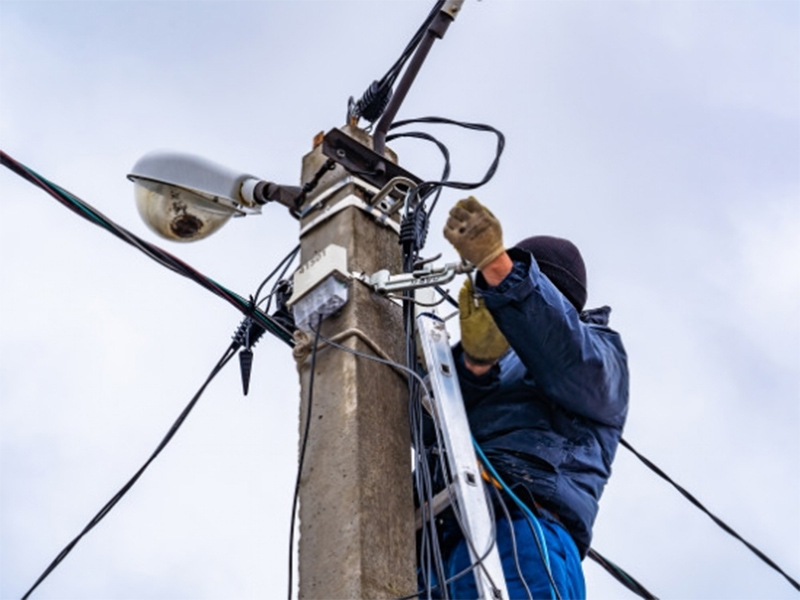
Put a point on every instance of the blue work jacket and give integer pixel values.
(550, 413)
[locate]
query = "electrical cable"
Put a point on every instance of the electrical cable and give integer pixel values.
(442, 148)
(620, 575)
(396, 68)
(229, 353)
(303, 445)
(412, 238)
(431, 559)
(725, 527)
(285, 262)
(425, 188)
(518, 567)
(162, 257)
(538, 533)
(446, 295)
(311, 184)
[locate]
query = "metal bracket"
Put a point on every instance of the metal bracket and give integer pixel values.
(356, 158)
(393, 195)
(327, 212)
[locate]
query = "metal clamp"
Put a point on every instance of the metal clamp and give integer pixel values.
(384, 282)
(385, 200)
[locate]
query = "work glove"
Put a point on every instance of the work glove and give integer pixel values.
(474, 232)
(480, 338)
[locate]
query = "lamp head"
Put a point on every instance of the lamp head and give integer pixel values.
(183, 197)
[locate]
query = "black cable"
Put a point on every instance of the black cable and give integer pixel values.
(303, 444)
(442, 148)
(229, 353)
(446, 295)
(310, 186)
(394, 71)
(620, 575)
(285, 262)
(426, 187)
(653, 467)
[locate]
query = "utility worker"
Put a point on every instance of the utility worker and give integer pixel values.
(545, 385)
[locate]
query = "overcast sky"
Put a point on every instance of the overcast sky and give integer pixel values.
(662, 137)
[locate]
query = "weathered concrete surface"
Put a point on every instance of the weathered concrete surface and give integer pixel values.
(356, 508)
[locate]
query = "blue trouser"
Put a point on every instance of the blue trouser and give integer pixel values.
(565, 562)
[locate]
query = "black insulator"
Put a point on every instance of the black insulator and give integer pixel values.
(248, 333)
(414, 229)
(374, 101)
(246, 366)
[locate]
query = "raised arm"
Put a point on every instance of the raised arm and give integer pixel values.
(581, 366)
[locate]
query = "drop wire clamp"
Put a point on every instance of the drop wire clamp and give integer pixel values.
(384, 282)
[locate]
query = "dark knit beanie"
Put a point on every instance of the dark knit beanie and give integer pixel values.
(561, 261)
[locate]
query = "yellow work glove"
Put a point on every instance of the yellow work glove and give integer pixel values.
(480, 338)
(474, 232)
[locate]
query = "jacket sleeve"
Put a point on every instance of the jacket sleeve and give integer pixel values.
(580, 366)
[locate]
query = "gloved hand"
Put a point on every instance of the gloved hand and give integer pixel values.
(480, 338)
(474, 232)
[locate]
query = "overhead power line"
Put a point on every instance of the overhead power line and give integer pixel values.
(228, 354)
(727, 528)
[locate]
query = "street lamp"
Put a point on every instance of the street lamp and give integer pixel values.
(184, 198)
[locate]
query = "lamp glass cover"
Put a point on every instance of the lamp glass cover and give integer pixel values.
(177, 213)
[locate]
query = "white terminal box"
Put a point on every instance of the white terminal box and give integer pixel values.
(321, 287)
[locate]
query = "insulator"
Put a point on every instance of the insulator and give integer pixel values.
(246, 366)
(373, 102)
(414, 229)
(248, 333)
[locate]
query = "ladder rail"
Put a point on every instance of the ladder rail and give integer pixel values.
(450, 417)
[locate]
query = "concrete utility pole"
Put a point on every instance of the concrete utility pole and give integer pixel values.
(356, 507)
(357, 536)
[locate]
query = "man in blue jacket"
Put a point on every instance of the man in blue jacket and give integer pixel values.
(545, 385)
